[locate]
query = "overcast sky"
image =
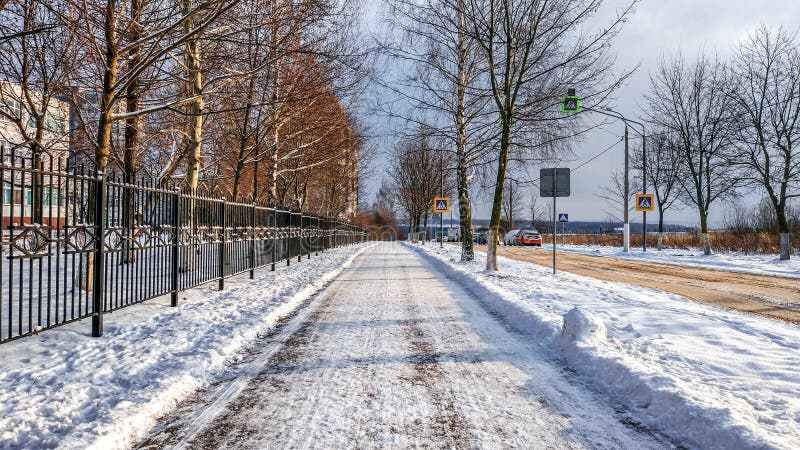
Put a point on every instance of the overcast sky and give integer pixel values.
(657, 27)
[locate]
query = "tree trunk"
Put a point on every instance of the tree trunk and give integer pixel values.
(783, 229)
(704, 232)
(660, 229)
(195, 128)
(494, 224)
(425, 228)
(464, 205)
(465, 215)
(243, 138)
(131, 139)
(102, 149)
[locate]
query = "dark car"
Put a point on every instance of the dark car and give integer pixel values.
(479, 238)
(528, 237)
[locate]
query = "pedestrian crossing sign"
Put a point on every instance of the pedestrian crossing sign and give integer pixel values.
(645, 202)
(441, 204)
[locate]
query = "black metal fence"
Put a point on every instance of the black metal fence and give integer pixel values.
(76, 244)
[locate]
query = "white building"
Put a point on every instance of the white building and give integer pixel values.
(17, 131)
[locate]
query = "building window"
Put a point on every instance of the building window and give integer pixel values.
(13, 196)
(55, 123)
(52, 122)
(11, 107)
(52, 196)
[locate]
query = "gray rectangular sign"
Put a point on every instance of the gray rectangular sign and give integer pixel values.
(554, 182)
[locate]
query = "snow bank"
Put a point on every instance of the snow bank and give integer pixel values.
(708, 377)
(764, 264)
(65, 389)
(584, 327)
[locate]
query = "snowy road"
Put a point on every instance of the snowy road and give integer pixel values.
(392, 354)
(764, 295)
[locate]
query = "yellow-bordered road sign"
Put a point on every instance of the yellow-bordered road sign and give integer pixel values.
(441, 204)
(645, 202)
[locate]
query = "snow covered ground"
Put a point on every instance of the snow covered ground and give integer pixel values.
(65, 389)
(767, 264)
(709, 377)
(395, 355)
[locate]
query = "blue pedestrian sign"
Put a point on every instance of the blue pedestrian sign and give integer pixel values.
(644, 202)
(441, 204)
(563, 217)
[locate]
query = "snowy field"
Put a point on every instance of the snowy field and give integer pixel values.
(709, 377)
(766, 264)
(65, 389)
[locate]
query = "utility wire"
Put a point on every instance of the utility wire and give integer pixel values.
(598, 155)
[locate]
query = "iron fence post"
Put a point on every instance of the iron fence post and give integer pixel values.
(221, 283)
(289, 239)
(99, 243)
(300, 239)
(274, 237)
(176, 229)
(252, 241)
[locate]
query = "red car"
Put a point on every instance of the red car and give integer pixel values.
(528, 237)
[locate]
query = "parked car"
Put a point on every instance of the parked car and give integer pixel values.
(528, 237)
(479, 238)
(453, 234)
(509, 237)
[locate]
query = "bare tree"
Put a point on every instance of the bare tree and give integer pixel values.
(535, 51)
(416, 173)
(537, 210)
(663, 171)
(689, 101)
(512, 202)
(105, 40)
(614, 195)
(766, 95)
(34, 68)
(443, 89)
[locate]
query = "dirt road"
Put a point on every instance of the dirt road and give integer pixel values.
(395, 355)
(773, 297)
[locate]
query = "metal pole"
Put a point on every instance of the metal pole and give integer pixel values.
(274, 238)
(644, 190)
(221, 282)
(176, 229)
(441, 190)
(555, 219)
(626, 226)
(99, 255)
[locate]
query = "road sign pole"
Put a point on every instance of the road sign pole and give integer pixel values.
(555, 223)
(644, 190)
(441, 230)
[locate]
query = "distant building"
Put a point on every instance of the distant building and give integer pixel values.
(17, 173)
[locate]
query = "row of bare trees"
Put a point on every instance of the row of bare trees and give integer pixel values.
(417, 177)
(727, 128)
(486, 77)
(252, 97)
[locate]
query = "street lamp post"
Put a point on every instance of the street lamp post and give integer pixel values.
(441, 194)
(626, 227)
